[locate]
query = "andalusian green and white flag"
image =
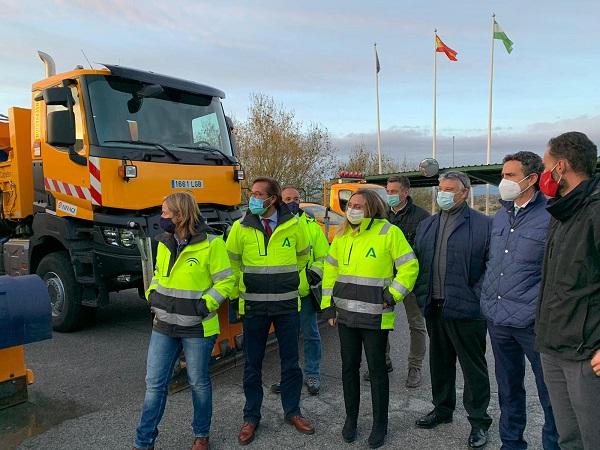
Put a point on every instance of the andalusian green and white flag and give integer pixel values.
(500, 34)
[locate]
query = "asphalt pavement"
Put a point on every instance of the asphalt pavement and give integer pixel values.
(90, 386)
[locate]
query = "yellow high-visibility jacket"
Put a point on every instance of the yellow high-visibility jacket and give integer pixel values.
(267, 268)
(360, 266)
(319, 248)
(190, 285)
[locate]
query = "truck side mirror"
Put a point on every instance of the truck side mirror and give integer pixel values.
(58, 96)
(61, 128)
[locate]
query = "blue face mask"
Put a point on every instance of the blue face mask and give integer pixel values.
(294, 207)
(257, 206)
(393, 200)
(167, 225)
(445, 200)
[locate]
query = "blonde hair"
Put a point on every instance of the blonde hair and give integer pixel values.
(184, 206)
(375, 208)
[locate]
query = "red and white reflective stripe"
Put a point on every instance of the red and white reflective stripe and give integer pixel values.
(67, 189)
(95, 184)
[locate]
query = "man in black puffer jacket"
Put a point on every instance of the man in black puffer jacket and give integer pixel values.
(406, 215)
(568, 315)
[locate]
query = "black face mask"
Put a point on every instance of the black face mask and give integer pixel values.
(294, 207)
(167, 225)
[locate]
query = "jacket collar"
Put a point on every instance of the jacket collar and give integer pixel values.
(536, 200)
(252, 220)
(407, 207)
(202, 231)
(565, 207)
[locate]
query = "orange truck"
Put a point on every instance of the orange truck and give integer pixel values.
(338, 192)
(84, 172)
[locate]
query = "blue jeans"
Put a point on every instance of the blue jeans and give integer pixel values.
(511, 345)
(256, 332)
(163, 352)
(312, 339)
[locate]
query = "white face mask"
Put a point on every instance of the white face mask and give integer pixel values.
(510, 190)
(355, 216)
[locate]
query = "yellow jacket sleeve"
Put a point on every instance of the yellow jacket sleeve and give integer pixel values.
(302, 245)
(154, 282)
(405, 263)
(221, 274)
(330, 273)
(320, 248)
(234, 251)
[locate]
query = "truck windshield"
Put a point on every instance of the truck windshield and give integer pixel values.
(125, 111)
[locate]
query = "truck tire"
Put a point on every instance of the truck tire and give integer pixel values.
(65, 293)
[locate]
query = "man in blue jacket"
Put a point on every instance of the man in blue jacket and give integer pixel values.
(510, 293)
(452, 250)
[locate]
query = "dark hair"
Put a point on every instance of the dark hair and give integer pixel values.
(273, 187)
(576, 148)
(404, 181)
(531, 162)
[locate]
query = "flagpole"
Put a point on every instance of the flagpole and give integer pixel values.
(378, 123)
(488, 155)
(434, 152)
(433, 131)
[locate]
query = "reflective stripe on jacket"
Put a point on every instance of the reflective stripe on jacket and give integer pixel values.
(267, 268)
(201, 273)
(319, 248)
(360, 266)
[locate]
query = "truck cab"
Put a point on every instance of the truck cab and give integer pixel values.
(88, 168)
(342, 188)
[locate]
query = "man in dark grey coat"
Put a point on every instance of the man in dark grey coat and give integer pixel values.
(452, 249)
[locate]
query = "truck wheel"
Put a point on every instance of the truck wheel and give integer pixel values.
(65, 293)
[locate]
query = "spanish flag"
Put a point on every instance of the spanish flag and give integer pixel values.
(441, 47)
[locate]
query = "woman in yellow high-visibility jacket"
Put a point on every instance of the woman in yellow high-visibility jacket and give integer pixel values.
(193, 276)
(370, 268)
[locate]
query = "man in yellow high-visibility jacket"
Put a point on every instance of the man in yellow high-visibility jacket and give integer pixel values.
(268, 250)
(310, 278)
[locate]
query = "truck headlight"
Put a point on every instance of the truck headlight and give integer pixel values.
(127, 237)
(111, 235)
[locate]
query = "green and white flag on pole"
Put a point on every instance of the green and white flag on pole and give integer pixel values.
(500, 34)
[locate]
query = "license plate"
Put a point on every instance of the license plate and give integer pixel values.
(187, 184)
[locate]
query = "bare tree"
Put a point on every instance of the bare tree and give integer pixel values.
(272, 142)
(364, 160)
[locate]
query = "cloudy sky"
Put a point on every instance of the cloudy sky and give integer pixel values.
(316, 58)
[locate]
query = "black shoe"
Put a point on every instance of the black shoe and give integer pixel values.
(432, 420)
(276, 388)
(478, 438)
(349, 430)
(377, 437)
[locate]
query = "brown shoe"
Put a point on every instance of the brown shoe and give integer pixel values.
(302, 424)
(247, 433)
(201, 443)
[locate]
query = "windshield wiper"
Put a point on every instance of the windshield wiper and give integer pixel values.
(207, 148)
(160, 147)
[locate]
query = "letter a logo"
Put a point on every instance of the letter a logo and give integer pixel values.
(286, 243)
(371, 253)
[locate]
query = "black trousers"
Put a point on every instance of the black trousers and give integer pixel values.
(352, 341)
(463, 339)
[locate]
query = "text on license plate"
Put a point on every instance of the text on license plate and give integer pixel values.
(187, 184)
